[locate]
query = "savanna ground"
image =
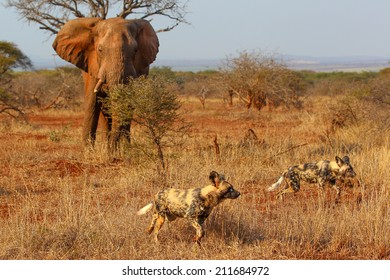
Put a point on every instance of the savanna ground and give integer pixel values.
(60, 201)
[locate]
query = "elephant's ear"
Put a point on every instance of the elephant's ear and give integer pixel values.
(147, 45)
(75, 44)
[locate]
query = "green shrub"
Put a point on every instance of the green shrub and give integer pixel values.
(148, 103)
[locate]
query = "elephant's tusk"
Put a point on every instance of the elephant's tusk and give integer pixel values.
(98, 86)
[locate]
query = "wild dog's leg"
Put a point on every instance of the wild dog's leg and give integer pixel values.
(288, 189)
(292, 183)
(321, 191)
(153, 223)
(198, 225)
(158, 224)
(280, 194)
(338, 191)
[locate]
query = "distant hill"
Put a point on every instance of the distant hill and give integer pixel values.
(189, 65)
(48, 63)
(320, 64)
(328, 64)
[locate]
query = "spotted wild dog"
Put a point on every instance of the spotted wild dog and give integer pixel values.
(194, 204)
(322, 172)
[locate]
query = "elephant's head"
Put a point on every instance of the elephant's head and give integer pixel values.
(109, 50)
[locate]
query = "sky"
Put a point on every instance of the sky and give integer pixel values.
(222, 28)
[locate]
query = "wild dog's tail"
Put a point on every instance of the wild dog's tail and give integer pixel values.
(145, 209)
(277, 184)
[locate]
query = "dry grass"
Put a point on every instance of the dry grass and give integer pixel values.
(60, 202)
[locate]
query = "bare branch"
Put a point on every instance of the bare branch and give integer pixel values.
(130, 5)
(170, 9)
(260, 80)
(168, 28)
(50, 15)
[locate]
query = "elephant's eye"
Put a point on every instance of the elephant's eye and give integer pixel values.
(100, 48)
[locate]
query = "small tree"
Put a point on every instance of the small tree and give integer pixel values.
(148, 103)
(380, 88)
(202, 96)
(259, 80)
(11, 57)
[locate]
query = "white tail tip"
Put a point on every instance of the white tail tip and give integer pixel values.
(145, 209)
(276, 185)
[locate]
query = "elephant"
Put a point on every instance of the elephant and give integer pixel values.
(108, 51)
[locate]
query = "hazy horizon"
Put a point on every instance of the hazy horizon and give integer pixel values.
(217, 29)
(325, 64)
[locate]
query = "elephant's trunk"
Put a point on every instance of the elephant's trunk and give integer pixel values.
(113, 71)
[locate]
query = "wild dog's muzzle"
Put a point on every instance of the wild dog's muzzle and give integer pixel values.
(350, 174)
(231, 193)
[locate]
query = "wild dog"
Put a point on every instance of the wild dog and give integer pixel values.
(321, 172)
(193, 204)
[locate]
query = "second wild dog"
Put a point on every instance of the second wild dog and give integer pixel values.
(322, 172)
(193, 204)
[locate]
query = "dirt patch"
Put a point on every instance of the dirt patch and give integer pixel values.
(64, 168)
(56, 121)
(6, 210)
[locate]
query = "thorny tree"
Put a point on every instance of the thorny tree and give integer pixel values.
(261, 80)
(151, 105)
(10, 57)
(51, 15)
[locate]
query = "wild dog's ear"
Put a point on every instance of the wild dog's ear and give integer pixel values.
(346, 159)
(339, 161)
(214, 178)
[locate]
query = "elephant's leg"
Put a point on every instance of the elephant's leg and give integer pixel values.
(105, 122)
(125, 131)
(114, 136)
(92, 110)
(119, 131)
(91, 118)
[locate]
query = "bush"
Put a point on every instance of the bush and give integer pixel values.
(59, 88)
(11, 57)
(148, 103)
(380, 90)
(260, 80)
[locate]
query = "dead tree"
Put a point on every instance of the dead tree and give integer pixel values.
(202, 97)
(230, 94)
(250, 139)
(259, 80)
(51, 15)
(216, 149)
